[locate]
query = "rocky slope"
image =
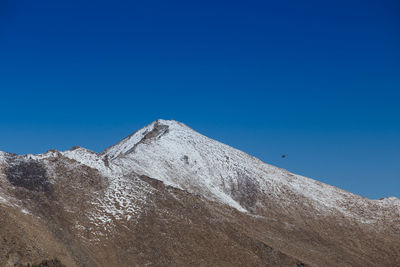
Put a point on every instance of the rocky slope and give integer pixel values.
(167, 195)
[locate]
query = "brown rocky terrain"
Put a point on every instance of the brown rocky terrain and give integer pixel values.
(79, 208)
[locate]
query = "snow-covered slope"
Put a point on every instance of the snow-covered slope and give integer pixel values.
(2, 156)
(88, 158)
(172, 152)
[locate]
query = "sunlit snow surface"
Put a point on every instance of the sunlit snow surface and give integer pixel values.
(180, 157)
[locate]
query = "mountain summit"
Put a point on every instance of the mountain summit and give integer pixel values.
(167, 195)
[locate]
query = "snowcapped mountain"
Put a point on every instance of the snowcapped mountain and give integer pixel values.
(173, 153)
(166, 179)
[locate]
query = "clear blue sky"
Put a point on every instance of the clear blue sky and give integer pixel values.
(317, 80)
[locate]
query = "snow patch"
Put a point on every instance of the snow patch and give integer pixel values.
(88, 158)
(124, 199)
(2, 156)
(3, 200)
(48, 154)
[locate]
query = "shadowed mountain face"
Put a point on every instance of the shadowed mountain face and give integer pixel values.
(169, 196)
(29, 174)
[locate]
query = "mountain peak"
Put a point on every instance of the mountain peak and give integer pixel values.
(170, 122)
(152, 131)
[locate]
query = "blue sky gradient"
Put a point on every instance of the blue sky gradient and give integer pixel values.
(317, 80)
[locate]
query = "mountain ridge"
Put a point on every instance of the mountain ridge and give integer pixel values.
(133, 141)
(168, 175)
